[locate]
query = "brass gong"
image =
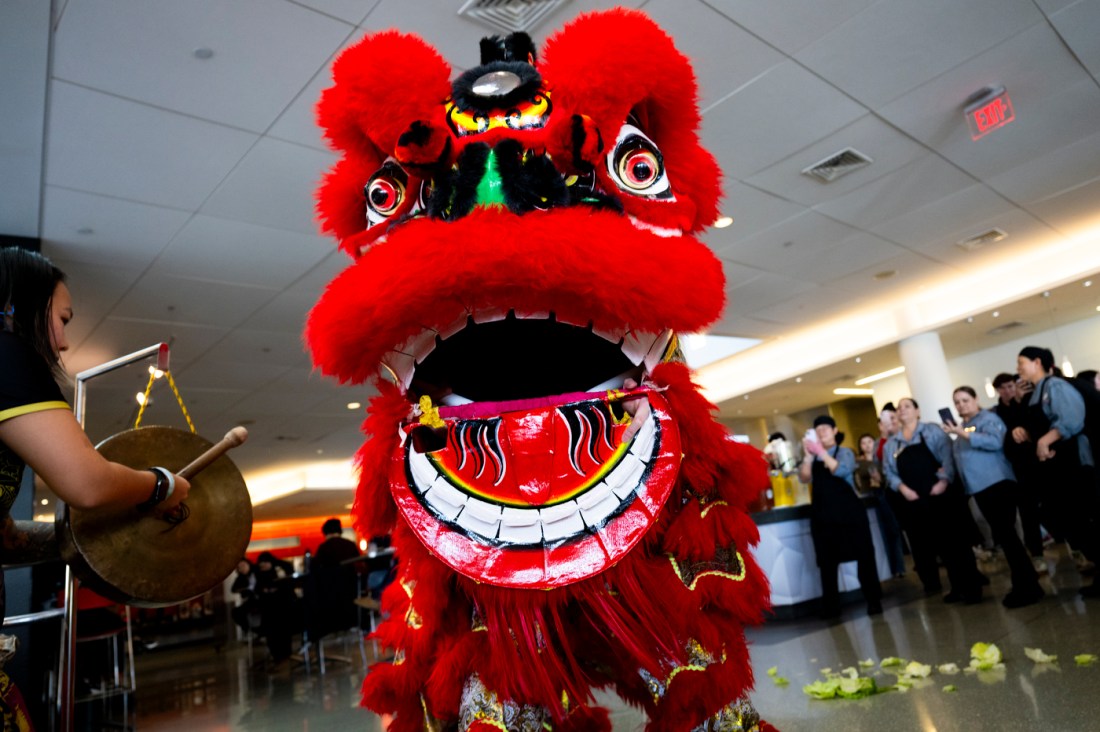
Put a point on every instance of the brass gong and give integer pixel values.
(140, 558)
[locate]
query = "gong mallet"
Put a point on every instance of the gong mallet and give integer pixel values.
(233, 438)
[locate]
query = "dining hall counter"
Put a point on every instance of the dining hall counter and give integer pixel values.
(786, 554)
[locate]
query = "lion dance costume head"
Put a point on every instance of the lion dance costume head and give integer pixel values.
(567, 514)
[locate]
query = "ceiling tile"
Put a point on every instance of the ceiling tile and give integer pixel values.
(272, 186)
(817, 305)
(119, 337)
(743, 326)
(124, 233)
(792, 247)
(959, 211)
(912, 270)
(102, 144)
(263, 346)
(241, 374)
(264, 53)
(789, 24)
(96, 288)
(724, 55)
(897, 45)
(215, 249)
(752, 210)
(168, 300)
(1077, 24)
(1055, 101)
(1025, 232)
(1050, 174)
(1073, 211)
(888, 148)
(352, 11)
(783, 110)
(926, 179)
(762, 291)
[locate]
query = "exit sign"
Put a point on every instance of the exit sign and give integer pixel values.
(991, 111)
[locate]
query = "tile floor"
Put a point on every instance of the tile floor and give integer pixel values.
(196, 689)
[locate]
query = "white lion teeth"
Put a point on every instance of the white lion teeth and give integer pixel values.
(636, 345)
(657, 351)
(402, 366)
(614, 335)
(531, 526)
(419, 346)
(490, 315)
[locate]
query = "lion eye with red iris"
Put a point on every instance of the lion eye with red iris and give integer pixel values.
(385, 193)
(637, 167)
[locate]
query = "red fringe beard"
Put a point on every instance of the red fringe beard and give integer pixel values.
(638, 619)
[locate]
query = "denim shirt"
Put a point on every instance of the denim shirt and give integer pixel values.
(981, 459)
(846, 464)
(931, 435)
(1066, 410)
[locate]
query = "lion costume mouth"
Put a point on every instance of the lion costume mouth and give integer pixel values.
(538, 481)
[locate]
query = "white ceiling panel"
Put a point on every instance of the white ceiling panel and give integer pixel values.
(913, 270)
(168, 299)
(793, 247)
(888, 148)
(785, 109)
(752, 210)
(272, 186)
(233, 251)
(262, 404)
(735, 56)
(1025, 232)
(1072, 211)
(820, 304)
(765, 290)
(351, 11)
(789, 24)
(744, 326)
(102, 144)
(264, 52)
(1077, 25)
(1055, 103)
(738, 274)
(1053, 6)
(896, 45)
(262, 346)
(298, 122)
(1057, 171)
(927, 179)
(84, 227)
(861, 250)
(241, 374)
(961, 210)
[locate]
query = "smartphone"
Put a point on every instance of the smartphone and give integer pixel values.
(946, 417)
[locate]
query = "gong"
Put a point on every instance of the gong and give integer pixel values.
(143, 559)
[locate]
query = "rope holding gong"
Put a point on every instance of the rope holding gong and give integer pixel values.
(179, 399)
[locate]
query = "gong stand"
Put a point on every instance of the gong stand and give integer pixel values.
(67, 660)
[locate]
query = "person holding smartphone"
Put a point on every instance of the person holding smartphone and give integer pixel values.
(1054, 424)
(838, 519)
(920, 467)
(987, 476)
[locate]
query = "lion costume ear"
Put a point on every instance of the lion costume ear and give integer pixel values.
(612, 64)
(382, 84)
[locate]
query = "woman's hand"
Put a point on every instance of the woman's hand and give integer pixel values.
(939, 487)
(1020, 435)
(1042, 449)
(179, 495)
(908, 493)
(954, 428)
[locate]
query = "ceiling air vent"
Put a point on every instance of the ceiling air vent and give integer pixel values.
(838, 164)
(977, 242)
(1005, 328)
(509, 16)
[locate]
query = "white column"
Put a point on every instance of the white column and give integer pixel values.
(926, 370)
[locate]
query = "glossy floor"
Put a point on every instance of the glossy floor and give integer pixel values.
(197, 689)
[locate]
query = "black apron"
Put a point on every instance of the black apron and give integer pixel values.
(917, 467)
(1067, 456)
(838, 519)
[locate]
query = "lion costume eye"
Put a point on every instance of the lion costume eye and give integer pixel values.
(637, 167)
(385, 193)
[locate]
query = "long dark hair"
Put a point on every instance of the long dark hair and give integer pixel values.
(27, 283)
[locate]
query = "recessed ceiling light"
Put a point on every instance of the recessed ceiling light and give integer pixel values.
(722, 222)
(970, 319)
(859, 359)
(1046, 293)
(203, 53)
(880, 376)
(798, 380)
(354, 405)
(996, 313)
(885, 274)
(45, 501)
(746, 396)
(1087, 283)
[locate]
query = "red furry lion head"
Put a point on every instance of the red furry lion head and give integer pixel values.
(523, 248)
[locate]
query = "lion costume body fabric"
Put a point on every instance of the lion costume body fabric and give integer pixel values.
(567, 513)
